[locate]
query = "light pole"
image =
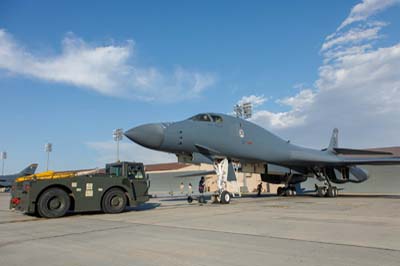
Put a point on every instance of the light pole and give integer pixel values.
(117, 135)
(245, 111)
(48, 148)
(3, 157)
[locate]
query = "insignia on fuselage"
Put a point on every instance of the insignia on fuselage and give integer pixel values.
(241, 133)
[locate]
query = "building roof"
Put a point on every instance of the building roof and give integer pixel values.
(394, 150)
(165, 167)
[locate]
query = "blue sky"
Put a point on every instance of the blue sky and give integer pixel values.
(61, 81)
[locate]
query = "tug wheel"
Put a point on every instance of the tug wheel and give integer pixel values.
(53, 203)
(114, 201)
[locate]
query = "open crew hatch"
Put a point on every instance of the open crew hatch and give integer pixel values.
(207, 118)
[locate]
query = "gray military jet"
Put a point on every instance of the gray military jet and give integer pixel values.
(221, 140)
(6, 180)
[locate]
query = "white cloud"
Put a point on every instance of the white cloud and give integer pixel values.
(253, 99)
(106, 152)
(356, 35)
(358, 90)
(364, 10)
(108, 70)
(291, 118)
(300, 101)
(278, 121)
(337, 53)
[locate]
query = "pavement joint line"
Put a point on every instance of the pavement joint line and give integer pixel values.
(20, 221)
(258, 236)
(62, 235)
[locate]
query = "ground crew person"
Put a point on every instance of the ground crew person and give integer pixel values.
(190, 189)
(202, 185)
(259, 189)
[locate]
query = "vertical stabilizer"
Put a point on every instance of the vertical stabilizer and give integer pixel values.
(30, 170)
(334, 143)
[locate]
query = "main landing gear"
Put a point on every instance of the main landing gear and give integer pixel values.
(327, 191)
(286, 191)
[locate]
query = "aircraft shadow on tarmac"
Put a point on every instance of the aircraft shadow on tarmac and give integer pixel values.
(142, 207)
(308, 194)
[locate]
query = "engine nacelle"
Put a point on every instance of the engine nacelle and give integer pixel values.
(352, 174)
(194, 158)
(282, 179)
(276, 174)
(358, 174)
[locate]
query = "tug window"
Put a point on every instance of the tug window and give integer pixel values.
(134, 172)
(116, 170)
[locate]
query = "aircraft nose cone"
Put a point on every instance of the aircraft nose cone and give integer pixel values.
(150, 135)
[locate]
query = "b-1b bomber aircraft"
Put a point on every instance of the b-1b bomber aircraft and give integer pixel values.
(6, 180)
(224, 140)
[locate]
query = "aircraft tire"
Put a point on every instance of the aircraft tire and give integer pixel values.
(202, 199)
(279, 191)
(114, 201)
(189, 199)
(330, 192)
(225, 197)
(321, 192)
(53, 203)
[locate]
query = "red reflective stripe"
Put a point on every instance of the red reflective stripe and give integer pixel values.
(15, 201)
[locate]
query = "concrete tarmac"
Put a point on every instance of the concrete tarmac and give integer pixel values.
(303, 230)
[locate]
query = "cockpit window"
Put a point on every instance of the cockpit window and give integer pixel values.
(216, 118)
(201, 117)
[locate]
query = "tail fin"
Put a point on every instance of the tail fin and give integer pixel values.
(334, 143)
(30, 170)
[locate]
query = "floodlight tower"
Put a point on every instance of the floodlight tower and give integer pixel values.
(243, 110)
(247, 110)
(3, 157)
(117, 135)
(48, 147)
(237, 109)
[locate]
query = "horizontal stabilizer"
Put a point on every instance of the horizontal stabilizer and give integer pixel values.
(371, 161)
(359, 152)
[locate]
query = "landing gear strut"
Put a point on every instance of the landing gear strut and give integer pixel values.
(222, 195)
(327, 190)
(288, 189)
